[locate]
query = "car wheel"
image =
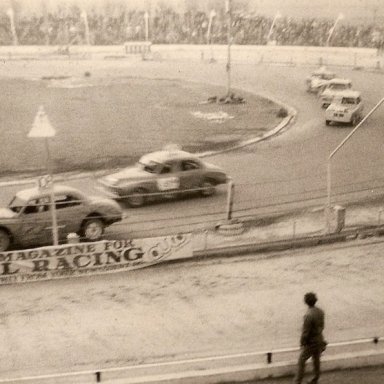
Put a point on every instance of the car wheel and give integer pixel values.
(136, 198)
(5, 240)
(327, 122)
(355, 120)
(207, 188)
(93, 229)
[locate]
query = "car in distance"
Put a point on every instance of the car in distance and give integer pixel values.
(163, 174)
(27, 221)
(318, 78)
(346, 108)
(332, 89)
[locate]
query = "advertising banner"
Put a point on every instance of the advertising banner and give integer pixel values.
(82, 259)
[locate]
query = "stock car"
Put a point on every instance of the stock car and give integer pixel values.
(318, 78)
(163, 174)
(332, 89)
(346, 108)
(27, 221)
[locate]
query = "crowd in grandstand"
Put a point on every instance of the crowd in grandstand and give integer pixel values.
(167, 26)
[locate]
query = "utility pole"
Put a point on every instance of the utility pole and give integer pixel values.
(229, 40)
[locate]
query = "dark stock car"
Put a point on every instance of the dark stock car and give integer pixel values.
(163, 174)
(27, 221)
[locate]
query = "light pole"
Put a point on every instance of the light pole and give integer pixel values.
(11, 15)
(329, 177)
(212, 14)
(229, 41)
(339, 17)
(277, 16)
(43, 129)
(146, 20)
(85, 19)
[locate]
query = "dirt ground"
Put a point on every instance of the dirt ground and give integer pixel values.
(189, 309)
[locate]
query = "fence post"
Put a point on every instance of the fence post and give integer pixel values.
(231, 188)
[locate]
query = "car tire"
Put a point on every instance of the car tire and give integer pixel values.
(327, 122)
(5, 240)
(93, 229)
(355, 120)
(136, 199)
(207, 188)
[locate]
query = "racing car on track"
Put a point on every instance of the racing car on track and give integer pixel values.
(27, 220)
(318, 78)
(332, 89)
(346, 108)
(163, 174)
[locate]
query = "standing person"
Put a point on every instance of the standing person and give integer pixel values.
(312, 342)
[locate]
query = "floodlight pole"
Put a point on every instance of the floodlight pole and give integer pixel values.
(86, 25)
(273, 24)
(339, 17)
(209, 32)
(329, 178)
(146, 21)
(11, 15)
(229, 40)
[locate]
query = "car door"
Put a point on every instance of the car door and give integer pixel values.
(191, 175)
(168, 179)
(36, 222)
(71, 209)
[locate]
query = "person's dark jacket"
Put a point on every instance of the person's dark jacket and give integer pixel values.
(313, 325)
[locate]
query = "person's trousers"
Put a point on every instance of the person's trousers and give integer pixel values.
(305, 353)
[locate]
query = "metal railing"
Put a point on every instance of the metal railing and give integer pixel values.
(266, 357)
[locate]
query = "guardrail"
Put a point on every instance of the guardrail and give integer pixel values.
(262, 359)
(257, 54)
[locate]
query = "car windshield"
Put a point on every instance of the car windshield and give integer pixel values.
(348, 100)
(338, 86)
(16, 204)
(150, 166)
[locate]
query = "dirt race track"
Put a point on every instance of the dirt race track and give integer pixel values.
(185, 310)
(190, 309)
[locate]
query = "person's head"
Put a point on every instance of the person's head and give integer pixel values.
(310, 299)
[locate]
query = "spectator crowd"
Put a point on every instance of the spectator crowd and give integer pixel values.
(169, 26)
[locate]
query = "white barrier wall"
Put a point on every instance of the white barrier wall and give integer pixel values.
(81, 259)
(300, 55)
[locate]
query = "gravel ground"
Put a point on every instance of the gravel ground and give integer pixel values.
(189, 309)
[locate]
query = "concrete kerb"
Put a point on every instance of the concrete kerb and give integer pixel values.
(250, 372)
(283, 124)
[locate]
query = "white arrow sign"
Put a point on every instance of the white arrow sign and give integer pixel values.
(41, 126)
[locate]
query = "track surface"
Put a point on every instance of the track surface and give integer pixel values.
(205, 308)
(286, 172)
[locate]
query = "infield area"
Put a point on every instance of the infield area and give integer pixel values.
(108, 113)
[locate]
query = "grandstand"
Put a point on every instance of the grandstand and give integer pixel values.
(186, 22)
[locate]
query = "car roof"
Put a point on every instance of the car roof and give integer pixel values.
(165, 155)
(35, 192)
(322, 71)
(349, 93)
(339, 81)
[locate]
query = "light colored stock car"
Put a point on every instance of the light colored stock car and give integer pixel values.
(346, 108)
(27, 221)
(163, 174)
(332, 89)
(318, 78)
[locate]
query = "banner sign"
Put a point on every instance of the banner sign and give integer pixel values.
(82, 259)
